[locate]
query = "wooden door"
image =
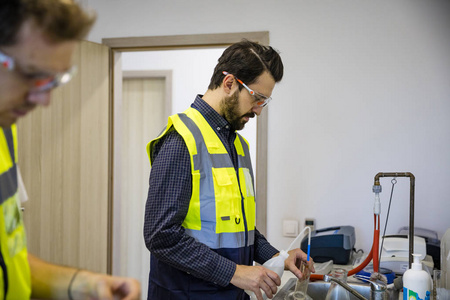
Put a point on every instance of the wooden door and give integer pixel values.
(143, 118)
(64, 159)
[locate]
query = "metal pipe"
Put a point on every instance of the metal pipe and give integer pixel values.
(328, 278)
(411, 205)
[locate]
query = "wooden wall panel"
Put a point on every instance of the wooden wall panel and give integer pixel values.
(64, 157)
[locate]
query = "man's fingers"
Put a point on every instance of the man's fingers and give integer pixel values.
(274, 277)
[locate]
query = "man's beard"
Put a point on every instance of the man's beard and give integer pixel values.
(230, 109)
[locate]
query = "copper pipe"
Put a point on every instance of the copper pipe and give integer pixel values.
(411, 205)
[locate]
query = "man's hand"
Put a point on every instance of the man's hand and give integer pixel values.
(89, 285)
(255, 278)
(292, 263)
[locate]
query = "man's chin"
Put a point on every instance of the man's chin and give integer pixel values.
(241, 126)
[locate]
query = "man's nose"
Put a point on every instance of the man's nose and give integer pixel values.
(39, 98)
(257, 109)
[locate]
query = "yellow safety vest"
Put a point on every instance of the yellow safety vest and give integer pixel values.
(222, 206)
(15, 279)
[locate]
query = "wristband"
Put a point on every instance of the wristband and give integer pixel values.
(69, 292)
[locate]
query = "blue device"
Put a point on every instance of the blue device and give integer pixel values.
(332, 243)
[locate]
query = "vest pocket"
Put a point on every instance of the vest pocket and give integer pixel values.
(228, 200)
(222, 176)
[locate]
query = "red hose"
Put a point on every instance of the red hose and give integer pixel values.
(362, 265)
(376, 243)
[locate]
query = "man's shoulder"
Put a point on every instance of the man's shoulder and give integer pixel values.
(171, 142)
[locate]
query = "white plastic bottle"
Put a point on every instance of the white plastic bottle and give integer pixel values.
(416, 282)
(275, 264)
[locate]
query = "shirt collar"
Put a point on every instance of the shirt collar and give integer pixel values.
(212, 117)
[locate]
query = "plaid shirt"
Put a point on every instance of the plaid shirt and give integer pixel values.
(167, 205)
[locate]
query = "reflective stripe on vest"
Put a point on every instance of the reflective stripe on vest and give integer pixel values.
(15, 280)
(215, 215)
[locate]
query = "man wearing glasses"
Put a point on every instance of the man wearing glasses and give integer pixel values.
(37, 39)
(200, 212)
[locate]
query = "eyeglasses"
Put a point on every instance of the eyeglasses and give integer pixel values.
(39, 82)
(261, 100)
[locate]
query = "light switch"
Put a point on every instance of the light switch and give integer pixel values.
(290, 228)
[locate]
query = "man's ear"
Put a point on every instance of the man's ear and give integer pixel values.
(229, 84)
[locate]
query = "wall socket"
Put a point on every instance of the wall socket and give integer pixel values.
(309, 222)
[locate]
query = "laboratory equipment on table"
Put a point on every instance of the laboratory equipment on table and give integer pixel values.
(395, 253)
(377, 280)
(432, 242)
(332, 243)
(374, 252)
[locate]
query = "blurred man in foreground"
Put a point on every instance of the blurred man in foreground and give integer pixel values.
(37, 40)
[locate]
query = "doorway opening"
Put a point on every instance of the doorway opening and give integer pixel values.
(120, 49)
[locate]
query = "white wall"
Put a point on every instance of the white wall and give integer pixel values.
(366, 90)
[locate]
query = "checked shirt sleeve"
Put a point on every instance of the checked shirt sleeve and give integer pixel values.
(167, 205)
(263, 249)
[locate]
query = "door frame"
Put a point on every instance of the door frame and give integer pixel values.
(192, 41)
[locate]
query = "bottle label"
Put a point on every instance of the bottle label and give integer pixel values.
(411, 295)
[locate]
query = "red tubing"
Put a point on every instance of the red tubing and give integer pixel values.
(376, 243)
(376, 239)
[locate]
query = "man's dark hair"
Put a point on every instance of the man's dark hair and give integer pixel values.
(60, 20)
(247, 61)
